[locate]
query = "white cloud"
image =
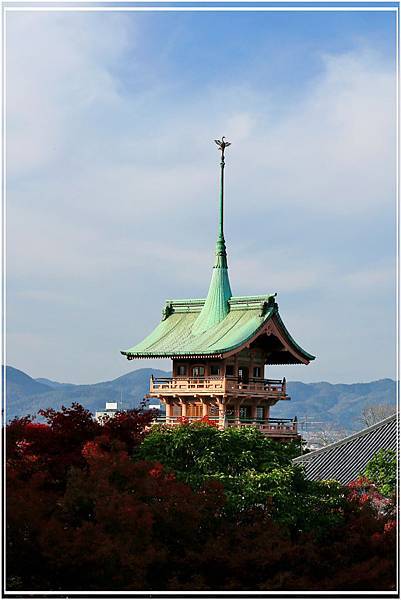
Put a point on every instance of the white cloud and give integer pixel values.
(57, 70)
(334, 151)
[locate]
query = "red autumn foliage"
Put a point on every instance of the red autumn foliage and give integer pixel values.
(212, 422)
(364, 495)
(83, 514)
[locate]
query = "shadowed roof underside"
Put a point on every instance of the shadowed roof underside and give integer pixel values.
(248, 318)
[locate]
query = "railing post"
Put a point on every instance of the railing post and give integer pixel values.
(284, 386)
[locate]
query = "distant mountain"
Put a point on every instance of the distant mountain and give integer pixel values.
(50, 383)
(341, 404)
(22, 385)
(338, 403)
(26, 395)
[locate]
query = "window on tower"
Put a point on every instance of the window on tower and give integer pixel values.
(198, 371)
(181, 370)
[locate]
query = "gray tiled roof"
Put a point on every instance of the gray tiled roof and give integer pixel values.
(346, 459)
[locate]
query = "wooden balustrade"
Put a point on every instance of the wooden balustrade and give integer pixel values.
(186, 384)
(218, 385)
(270, 427)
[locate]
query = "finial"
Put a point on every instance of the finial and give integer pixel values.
(222, 144)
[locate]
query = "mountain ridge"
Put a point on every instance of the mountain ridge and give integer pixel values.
(339, 403)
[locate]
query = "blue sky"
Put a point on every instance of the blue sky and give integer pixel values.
(112, 180)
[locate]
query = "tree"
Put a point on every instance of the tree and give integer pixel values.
(195, 450)
(52, 448)
(373, 413)
(255, 471)
(118, 524)
(382, 471)
(328, 433)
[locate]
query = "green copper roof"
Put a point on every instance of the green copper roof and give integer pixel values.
(175, 335)
(216, 307)
(178, 334)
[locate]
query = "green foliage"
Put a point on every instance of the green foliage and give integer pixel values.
(255, 471)
(197, 451)
(382, 471)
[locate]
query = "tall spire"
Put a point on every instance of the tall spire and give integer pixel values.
(221, 253)
(216, 306)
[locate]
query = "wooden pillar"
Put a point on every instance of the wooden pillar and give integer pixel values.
(251, 364)
(237, 412)
(204, 409)
(254, 412)
(183, 408)
(169, 412)
(222, 414)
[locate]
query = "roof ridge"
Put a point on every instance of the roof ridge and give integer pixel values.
(256, 297)
(232, 299)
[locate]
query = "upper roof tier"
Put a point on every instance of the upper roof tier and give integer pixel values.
(221, 324)
(250, 321)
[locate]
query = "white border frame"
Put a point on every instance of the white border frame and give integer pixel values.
(196, 6)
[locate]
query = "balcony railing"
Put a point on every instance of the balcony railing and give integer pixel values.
(270, 427)
(190, 386)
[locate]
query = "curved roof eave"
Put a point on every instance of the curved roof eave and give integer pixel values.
(296, 346)
(302, 354)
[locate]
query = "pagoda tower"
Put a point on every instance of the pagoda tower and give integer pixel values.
(220, 346)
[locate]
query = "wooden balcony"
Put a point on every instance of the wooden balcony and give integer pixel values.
(218, 386)
(270, 427)
(275, 428)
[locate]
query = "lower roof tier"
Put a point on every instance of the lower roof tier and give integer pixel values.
(251, 320)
